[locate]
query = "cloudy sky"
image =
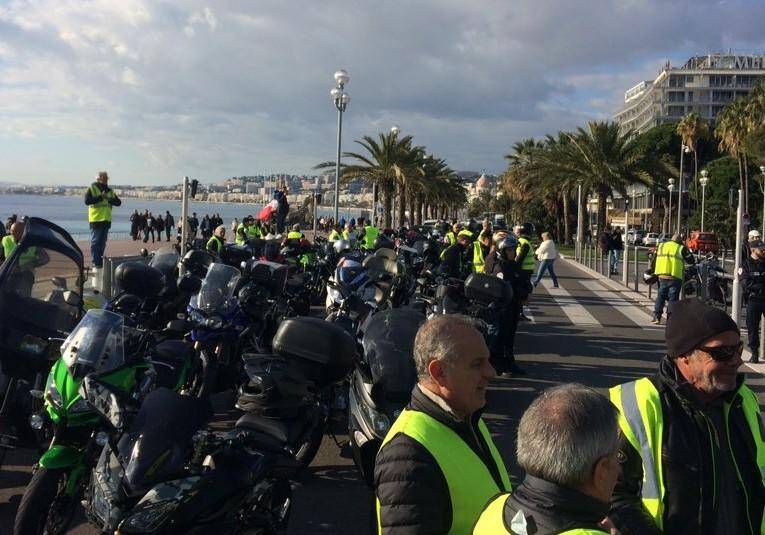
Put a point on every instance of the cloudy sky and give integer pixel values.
(152, 90)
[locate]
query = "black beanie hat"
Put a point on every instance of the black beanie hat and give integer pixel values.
(690, 322)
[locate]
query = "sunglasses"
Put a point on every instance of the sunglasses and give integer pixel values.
(723, 353)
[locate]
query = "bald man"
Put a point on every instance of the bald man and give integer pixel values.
(12, 240)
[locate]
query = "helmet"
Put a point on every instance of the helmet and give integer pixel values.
(754, 233)
(383, 242)
(508, 242)
(342, 246)
(197, 261)
(649, 277)
(527, 229)
(465, 234)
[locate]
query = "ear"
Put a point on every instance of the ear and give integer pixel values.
(436, 370)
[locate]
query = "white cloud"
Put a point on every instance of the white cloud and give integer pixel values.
(213, 89)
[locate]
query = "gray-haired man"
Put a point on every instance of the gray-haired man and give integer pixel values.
(438, 465)
(568, 441)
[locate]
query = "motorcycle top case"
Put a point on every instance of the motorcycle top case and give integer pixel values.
(269, 275)
(139, 279)
(326, 352)
(486, 289)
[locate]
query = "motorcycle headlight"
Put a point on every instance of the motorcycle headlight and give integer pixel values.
(150, 518)
(52, 395)
(213, 323)
(378, 421)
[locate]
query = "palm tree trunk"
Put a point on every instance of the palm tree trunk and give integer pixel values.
(602, 198)
(388, 204)
(558, 210)
(746, 184)
(420, 203)
(696, 175)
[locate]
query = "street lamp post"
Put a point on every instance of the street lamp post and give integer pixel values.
(703, 181)
(762, 170)
(671, 188)
(341, 99)
(684, 149)
(394, 130)
(626, 246)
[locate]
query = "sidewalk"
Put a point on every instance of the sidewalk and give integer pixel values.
(642, 300)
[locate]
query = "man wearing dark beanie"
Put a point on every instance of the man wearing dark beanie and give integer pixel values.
(692, 450)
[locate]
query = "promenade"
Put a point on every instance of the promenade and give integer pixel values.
(589, 331)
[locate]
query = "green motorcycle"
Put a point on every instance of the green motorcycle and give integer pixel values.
(122, 357)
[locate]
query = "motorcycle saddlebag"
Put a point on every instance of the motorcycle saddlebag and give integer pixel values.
(270, 275)
(324, 351)
(486, 289)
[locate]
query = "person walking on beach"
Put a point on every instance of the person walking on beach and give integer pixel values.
(160, 226)
(149, 230)
(99, 198)
(135, 217)
(546, 253)
(193, 225)
(169, 224)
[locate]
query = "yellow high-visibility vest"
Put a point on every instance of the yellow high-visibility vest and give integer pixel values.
(470, 483)
(669, 260)
(528, 261)
(478, 261)
(102, 210)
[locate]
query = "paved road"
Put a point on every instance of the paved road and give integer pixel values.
(585, 331)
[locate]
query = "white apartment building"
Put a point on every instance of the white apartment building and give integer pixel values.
(704, 85)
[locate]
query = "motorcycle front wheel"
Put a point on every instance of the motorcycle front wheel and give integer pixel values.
(46, 508)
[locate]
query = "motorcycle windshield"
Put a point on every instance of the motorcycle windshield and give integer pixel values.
(158, 440)
(388, 342)
(166, 260)
(217, 291)
(96, 343)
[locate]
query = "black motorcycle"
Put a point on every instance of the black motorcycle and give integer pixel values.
(382, 382)
(41, 300)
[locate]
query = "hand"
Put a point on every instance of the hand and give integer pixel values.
(607, 525)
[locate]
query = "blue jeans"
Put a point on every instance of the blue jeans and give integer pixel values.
(613, 259)
(546, 265)
(669, 290)
(98, 237)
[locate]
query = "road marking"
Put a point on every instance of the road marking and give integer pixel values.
(528, 314)
(571, 308)
(635, 314)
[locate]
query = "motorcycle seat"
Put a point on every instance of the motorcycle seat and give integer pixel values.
(284, 431)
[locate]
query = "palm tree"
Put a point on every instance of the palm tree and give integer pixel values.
(732, 128)
(384, 163)
(691, 129)
(601, 158)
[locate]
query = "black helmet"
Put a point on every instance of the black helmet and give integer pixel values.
(383, 242)
(527, 229)
(508, 242)
(197, 261)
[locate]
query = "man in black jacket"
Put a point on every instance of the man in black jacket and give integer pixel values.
(438, 465)
(752, 275)
(454, 259)
(568, 440)
(692, 450)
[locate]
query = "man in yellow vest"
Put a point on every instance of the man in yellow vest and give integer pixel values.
(336, 233)
(371, 233)
(438, 465)
(451, 236)
(481, 249)
(668, 265)
(242, 230)
(524, 256)
(10, 241)
(568, 441)
(100, 198)
(692, 450)
(216, 241)
(295, 233)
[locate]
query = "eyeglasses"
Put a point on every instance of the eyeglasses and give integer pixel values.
(723, 353)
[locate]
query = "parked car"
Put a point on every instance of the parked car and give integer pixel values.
(703, 242)
(634, 237)
(664, 237)
(651, 239)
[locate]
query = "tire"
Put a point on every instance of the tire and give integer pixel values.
(206, 377)
(305, 459)
(44, 509)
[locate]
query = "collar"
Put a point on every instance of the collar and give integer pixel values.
(441, 402)
(552, 508)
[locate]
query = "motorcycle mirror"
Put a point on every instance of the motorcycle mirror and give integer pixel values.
(59, 282)
(144, 252)
(72, 298)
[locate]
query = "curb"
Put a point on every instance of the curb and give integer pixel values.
(643, 301)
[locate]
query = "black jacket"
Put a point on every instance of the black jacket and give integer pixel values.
(691, 465)
(511, 273)
(752, 275)
(453, 263)
(550, 509)
(414, 497)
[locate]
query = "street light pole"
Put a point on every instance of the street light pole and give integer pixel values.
(671, 188)
(579, 222)
(341, 99)
(683, 150)
(703, 181)
(625, 245)
(762, 171)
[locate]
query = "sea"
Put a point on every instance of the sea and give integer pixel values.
(71, 213)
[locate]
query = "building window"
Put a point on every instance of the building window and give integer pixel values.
(676, 81)
(676, 96)
(721, 80)
(722, 96)
(690, 96)
(676, 111)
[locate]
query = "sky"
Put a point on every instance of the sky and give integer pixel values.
(152, 90)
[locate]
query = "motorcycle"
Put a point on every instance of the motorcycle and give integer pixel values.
(100, 343)
(706, 280)
(41, 300)
(291, 390)
(381, 383)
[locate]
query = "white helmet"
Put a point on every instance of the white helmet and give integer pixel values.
(342, 246)
(754, 233)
